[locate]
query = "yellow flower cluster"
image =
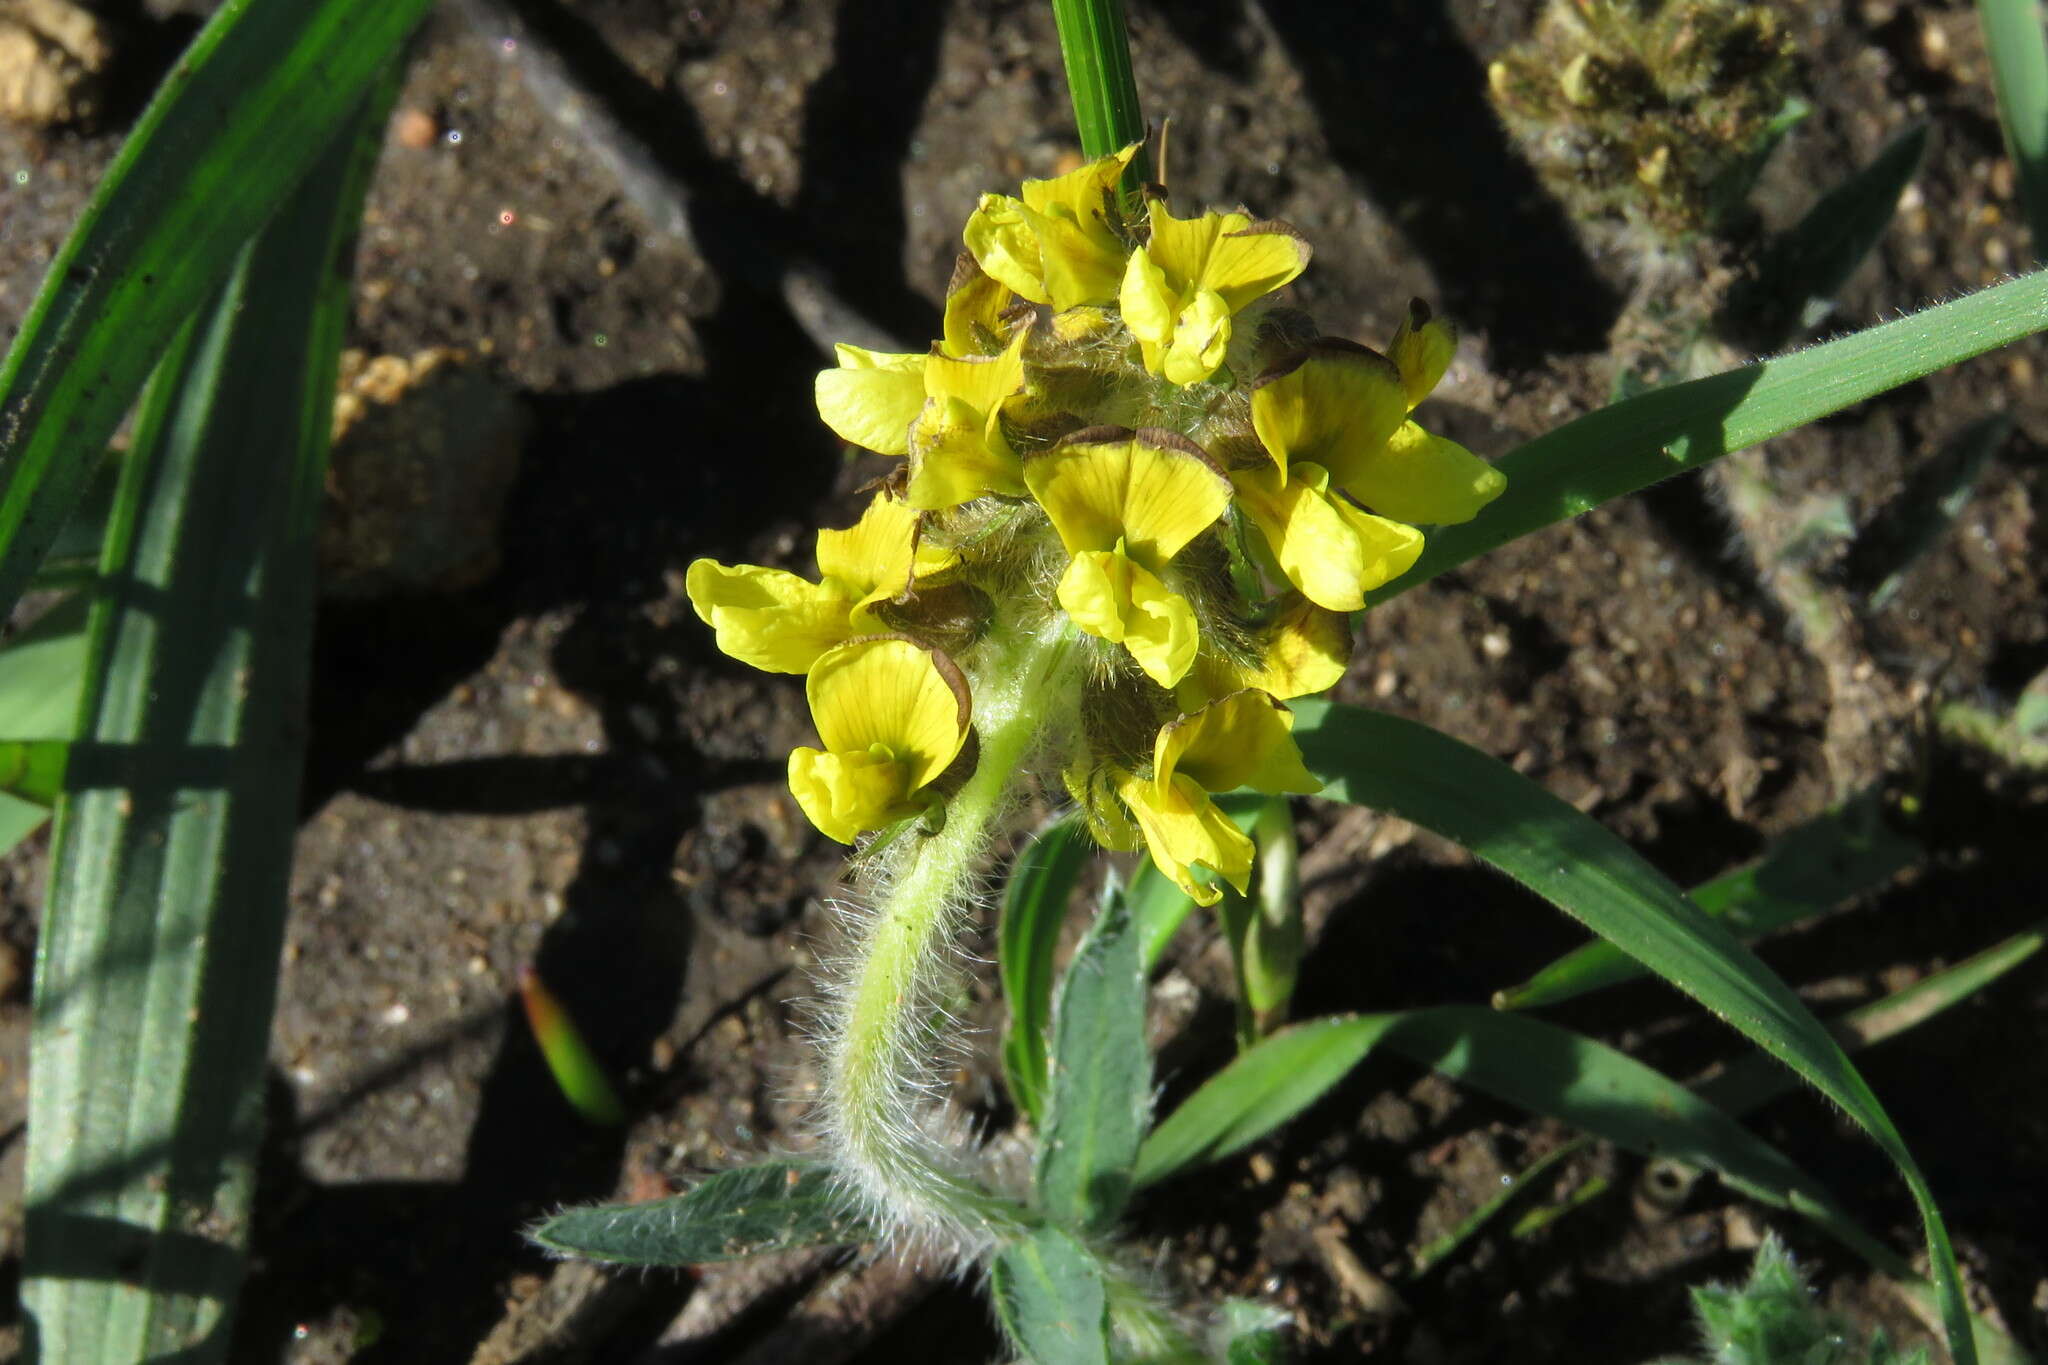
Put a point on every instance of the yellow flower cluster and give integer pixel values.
(1122, 435)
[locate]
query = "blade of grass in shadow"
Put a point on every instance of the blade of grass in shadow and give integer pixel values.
(1569, 859)
(1096, 47)
(1627, 446)
(157, 965)
(39, 673)
(249, 107)
(1035, 899)
(1916, 520)
(2018, 49)
(1805, 871)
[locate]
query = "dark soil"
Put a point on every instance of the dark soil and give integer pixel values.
(555, 767)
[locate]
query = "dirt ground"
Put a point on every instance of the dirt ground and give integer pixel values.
(553, 766)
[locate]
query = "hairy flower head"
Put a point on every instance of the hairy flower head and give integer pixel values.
(1182, 287)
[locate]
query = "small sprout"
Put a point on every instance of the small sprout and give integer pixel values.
(569, 1058)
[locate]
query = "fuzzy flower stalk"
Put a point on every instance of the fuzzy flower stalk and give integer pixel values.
(1137, 499)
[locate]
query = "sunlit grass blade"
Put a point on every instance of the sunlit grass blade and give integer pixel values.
(1755, 1080)
(157, 965)
(1569, 859)
(1428, 1257)
(1101, 1082)
(1915, 521)
(1051, 1300)
(1035, 899)
(2014, 41)
(1805, 871)
(576, 1070)
(1628, 446)
(248, 109)
(1804, 268)
(771, 1206)
(1096, 47)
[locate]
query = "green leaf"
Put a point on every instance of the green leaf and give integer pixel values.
(247, 111)
(1101, 1078)
(1261, 1089)
(40, 672)
(771, 1206)
(1051, 1300)
(2018, 50)
(1096, 47)
(1805, 871)
(1628, 446)
(1252, 1333)
(1915, 521)
(157, 964)
(1567, 858)
(1035, 903)
(1804, 268)
(33, 769)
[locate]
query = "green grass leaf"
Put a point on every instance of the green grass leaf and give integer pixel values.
(1096, 47)
(1627, 446)
(157, 964)
(1570, 860)
(1035, 900)
(770, 1206)
(1805, 871)
(249, 108)
(1804, 268)
(1916, 520)
(2018, 50)
(1101, 1097)
(1051, 1300)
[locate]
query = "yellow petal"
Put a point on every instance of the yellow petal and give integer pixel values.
(872, 398)
(874, 552)
(1333, 404)
(1303, 650)
(1149, 305)
(1242, 740)
(952, 459)
(1250, 262)
(1114, 599)
(1153, 490)
(1327, 548)
(1226, 252)
(888, 692)
(975, 301)
(1082, 264)
(1000, 239)
(1083, 194)
(1421, 477)
(1201, 337)
(844, 794)
(1422, 349)
(769, 618)
(1182, 826)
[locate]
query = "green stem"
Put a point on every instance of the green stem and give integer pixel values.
(885, 1140)
(1096, 46)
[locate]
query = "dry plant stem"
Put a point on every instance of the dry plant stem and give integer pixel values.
(879, 1074)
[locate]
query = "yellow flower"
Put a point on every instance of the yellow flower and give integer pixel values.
(893, 716)
(871, 397)
(1180, 289)
(781, 623)
(1344, 408)
(1239, 741)
(1125, 503)
(1059, 244)
(1326, 547)
(1302, 649)
(957, 448)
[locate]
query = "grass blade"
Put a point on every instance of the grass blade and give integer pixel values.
(577, 1072)
(157, 966)
(1051, 1300)
(1096, 46)
(1627, 446)
(771, 1206)
(2018, 50)
(1915, 521)
(1570, 860)
(1035, 900)
(1805, 871)
(253, 103)
(1804, 268)
(1101, 1094)
(39, 675)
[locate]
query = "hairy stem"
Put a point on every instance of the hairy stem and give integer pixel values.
(879, 1075)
